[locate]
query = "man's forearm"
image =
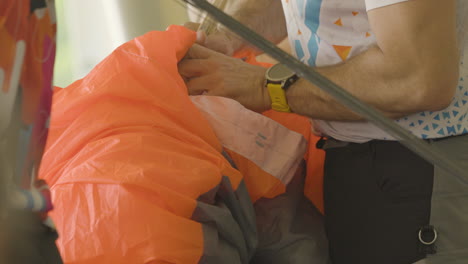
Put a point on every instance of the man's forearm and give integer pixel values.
(394, 87)
(266, 17)
(307, 99)
(412, 68)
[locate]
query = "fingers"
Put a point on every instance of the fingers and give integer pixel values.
(220, 43)
(199, 52)
(192, 25)
(191, 68)
(201, 85)
(201, 37)
(198, 76)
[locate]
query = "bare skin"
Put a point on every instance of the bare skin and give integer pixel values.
(413, 67)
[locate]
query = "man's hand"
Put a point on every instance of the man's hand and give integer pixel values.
(222, 41)
(212, 73)
(257, 15)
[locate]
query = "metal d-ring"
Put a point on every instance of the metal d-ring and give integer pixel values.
(427, 228)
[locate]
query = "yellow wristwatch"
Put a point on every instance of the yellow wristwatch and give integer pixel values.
(278, 79)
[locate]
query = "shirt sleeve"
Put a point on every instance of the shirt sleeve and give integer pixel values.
(373, 4)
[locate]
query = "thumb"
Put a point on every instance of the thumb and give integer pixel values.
(220, 42)
(199, 52)
(201, 37)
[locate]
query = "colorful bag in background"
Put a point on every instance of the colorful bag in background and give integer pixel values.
(27, 53)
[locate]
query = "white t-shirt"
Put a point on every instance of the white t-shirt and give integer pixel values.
(328, 32)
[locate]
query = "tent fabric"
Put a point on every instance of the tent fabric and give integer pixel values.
(138, 174)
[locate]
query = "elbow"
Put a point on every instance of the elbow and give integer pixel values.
(436, 90)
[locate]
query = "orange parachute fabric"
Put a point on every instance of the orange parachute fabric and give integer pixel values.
(128, 156)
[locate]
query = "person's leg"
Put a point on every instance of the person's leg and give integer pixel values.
(377, 197)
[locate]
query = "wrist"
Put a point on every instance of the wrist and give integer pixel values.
(266, 98)
(278, 79)
(264, 101)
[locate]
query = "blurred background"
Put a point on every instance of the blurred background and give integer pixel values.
(89, 30)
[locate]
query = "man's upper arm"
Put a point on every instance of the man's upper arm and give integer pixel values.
(373, 4)
(420, 37)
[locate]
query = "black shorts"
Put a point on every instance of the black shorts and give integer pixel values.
(377, 199)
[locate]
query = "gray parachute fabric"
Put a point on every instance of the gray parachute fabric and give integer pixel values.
(284, 229)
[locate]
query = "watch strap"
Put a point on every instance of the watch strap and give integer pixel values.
(278, 98)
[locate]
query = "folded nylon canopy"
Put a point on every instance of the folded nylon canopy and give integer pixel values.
(137, 172)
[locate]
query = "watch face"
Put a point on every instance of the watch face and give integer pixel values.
(279, 72)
